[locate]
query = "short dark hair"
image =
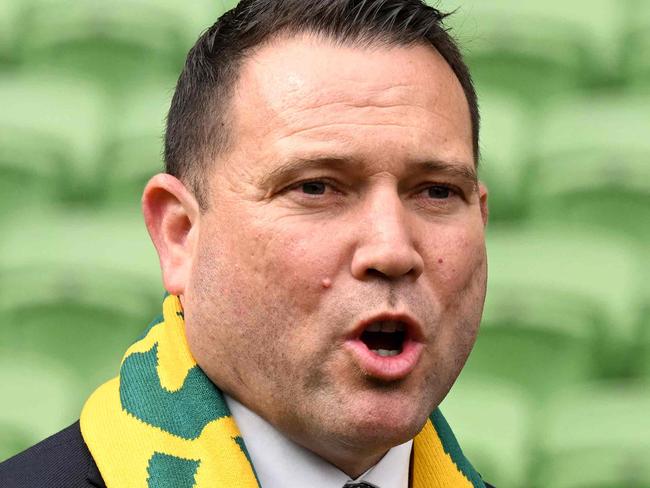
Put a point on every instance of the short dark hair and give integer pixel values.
(197, 131)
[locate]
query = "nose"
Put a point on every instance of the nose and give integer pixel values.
(384, 243)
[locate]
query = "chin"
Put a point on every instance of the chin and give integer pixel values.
(387, 423)
(384, 434)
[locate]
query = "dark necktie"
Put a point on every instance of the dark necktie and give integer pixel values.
(361, 484)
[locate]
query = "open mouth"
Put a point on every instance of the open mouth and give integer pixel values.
(385, 338)
(386, 347)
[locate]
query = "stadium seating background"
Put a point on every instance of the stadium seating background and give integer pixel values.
(556, 392)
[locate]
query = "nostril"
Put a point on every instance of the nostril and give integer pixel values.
(375, 272)
(388, 274)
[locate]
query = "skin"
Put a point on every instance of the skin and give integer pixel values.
(288, 259)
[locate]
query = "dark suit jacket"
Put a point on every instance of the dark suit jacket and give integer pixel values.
(60, 461)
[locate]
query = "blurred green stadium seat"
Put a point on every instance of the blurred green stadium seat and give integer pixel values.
(89, 339)
(560, 307)
(81, 318)
(135, 149)
(38, 397)
(9, 22)
(75, 290)
(50, 132)
(536, 340)
(194, 17)
(533, 50)
(89, 242)
(116, 44)
(593, 164)
(492, 421)
(641, 348)
(13, 439)
(506, 127)
(635, 65)
(597, 436)
(588, 265)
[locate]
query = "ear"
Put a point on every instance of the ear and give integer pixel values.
(483, 202)
(171, 214)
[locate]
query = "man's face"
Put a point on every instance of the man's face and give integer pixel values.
(346, 201)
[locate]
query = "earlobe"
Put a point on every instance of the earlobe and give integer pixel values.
(171, 214)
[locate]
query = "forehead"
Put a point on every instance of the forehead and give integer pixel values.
(309, 89)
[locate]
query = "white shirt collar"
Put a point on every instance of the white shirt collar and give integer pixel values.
(281, 463)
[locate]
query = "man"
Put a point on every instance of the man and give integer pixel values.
(320, 229)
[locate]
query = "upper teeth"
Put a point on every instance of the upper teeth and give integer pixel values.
(386, 326)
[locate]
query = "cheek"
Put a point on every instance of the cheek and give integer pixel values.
(285, 263)
(459, 284)
(456, 261)
(295, 267)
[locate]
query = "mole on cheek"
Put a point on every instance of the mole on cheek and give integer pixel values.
(326, 283)
(440, 261)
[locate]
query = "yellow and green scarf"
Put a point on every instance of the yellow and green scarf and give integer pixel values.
(162, 423)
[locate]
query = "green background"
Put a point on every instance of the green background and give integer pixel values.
(556, 392)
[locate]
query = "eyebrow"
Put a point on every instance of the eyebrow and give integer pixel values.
(292, 167)
(455, 170)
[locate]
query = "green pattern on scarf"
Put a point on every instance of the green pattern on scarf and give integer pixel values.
(171, 472)
(451, 447)
(183, 413)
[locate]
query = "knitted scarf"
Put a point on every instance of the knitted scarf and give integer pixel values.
(162, 423)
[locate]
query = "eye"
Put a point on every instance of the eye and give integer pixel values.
(439, 192)
(313, 187)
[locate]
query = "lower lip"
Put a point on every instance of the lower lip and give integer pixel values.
(388, 368)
